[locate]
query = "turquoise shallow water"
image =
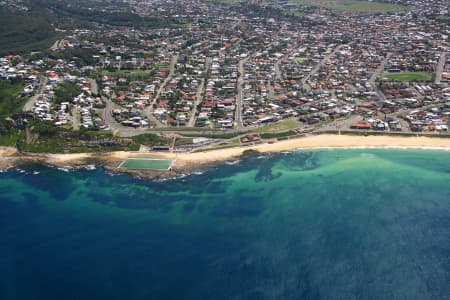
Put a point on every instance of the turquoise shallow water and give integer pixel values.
(325, 224)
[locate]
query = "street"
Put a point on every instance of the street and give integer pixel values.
(376, 74)
(149, 109)
(30, 103)
(240, 94)
(75, 118)
(318, 66)
(440, 68)
(199, 95)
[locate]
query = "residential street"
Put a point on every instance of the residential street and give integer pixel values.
(240, 94)
(75, 118)
(199, 94)
(305, 80)
(30, 103)
(376, 75)
(440, 67)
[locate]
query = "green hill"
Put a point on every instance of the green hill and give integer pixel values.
(22, 32)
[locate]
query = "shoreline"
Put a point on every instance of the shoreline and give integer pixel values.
(184, 162)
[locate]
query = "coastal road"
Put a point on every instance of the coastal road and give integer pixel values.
(30, 103)
(240, 94)
(316, 69)
(440, 68)
(199, 95)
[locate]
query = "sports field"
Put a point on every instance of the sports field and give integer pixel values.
(409, 76)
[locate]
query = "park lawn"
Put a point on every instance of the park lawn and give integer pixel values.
(300, 59)
(409, 76)
(164, 65)
(356, 6)
(277, 127)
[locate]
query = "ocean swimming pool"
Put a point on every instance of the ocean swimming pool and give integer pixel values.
(146, 164)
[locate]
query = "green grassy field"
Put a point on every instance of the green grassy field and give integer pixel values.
(278, 127)
(300, 59)
(278, 135)
(159, 66)
(409, 76)
(357, 6)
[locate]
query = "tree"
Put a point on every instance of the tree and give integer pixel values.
(66, 92)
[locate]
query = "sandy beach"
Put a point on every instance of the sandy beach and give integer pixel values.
(184, 160)
(197, 160)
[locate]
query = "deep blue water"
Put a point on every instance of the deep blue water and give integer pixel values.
(329, 224)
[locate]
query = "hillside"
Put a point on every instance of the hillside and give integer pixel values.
(22, 32)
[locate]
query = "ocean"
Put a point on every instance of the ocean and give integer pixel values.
(317, 224)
